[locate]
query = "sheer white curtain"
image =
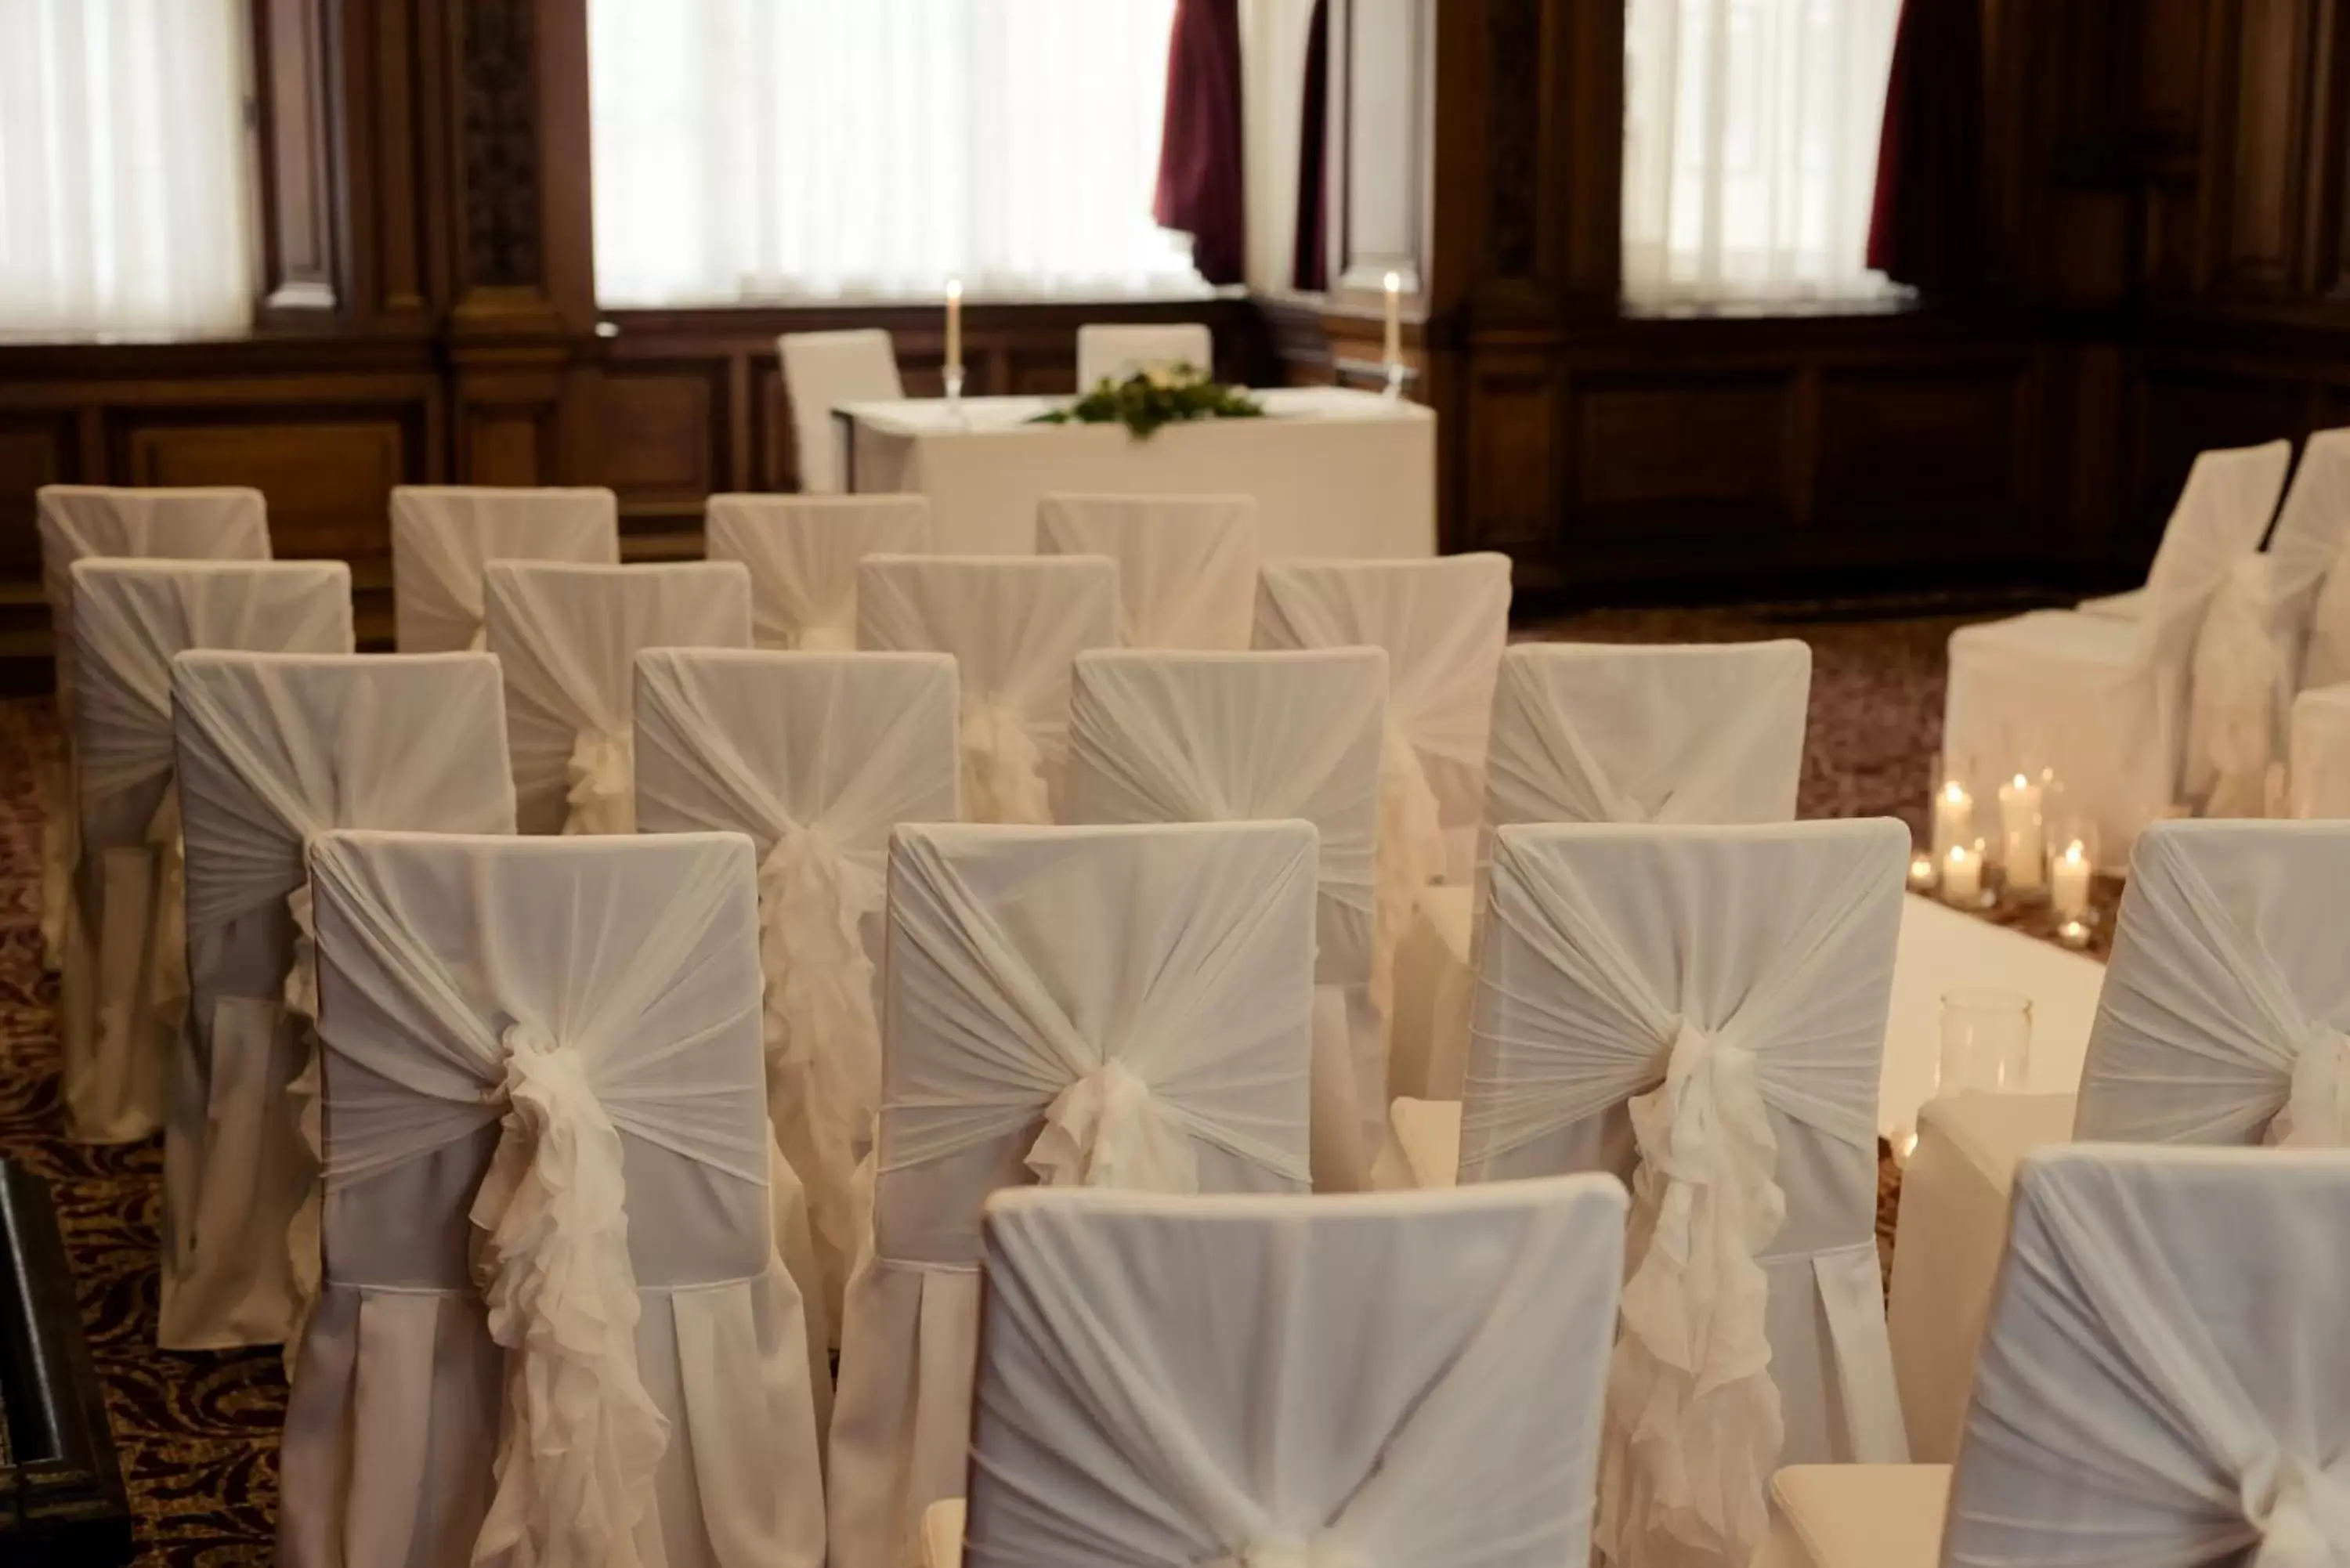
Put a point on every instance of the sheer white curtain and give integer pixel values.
(123, 181)
(775, 149)
(1750, 148)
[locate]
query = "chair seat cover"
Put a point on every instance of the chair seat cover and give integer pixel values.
(1187, 564)
(444, 534)
(567, 637)
(123, 997)
(1411, 1379)
(543, 1056)
(1081, 1006)
(802, 553)
(274, 749)
(2320, 768)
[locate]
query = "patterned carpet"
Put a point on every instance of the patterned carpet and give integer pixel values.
(197, 1433)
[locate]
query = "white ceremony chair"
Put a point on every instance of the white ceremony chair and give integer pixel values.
(568, 639)
(272, 749)
(2320, 768)
(1077, 1006)
(803, 551)
(1235, 737)
(2163, 1382)
(79, 521)
(1594, 732)
(1015, 628)
(1187, 564)
(817, 757)
(1122, 1413)
(1113, 353)
(2223, 1021)
(2103, 702)
(2228, 526)
(122, 998)
(553, 1325)
(444, 534)
(821, 371)
(1702, 1011)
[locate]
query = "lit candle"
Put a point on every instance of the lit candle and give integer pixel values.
(954, 324)
(1395, 318)
(1962, 870)
(2019, 826)
(1921, 873)
(1954, 818)
(2073, 934)
(2068, 880)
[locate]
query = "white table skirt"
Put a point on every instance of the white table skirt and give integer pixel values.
(1334, 473)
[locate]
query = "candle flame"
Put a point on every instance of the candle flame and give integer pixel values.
(1395, 282)
(1954, 792)
(1959, 852)
(954, 288)
(2075, 851)
(2022, 782)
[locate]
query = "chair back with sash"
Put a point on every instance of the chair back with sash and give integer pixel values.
(442, 536)
(1187, 564)
(802, 552)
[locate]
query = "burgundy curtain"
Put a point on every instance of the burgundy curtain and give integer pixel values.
(1199, 192)
(1926, 228)
(1310, 269)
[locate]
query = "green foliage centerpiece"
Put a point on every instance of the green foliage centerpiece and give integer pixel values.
(1158, 395)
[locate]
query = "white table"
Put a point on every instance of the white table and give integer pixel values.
(1333, 472)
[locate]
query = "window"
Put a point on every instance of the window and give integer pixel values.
(769, 149)
(1750, 148)
(123, 177)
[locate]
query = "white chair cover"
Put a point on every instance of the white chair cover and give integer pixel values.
(802, 553)
(1143, 996)
(2164, 1383)
(2321, 752)
(1702, 1010)
(79, 521)
(444, 534)
(822, 370)
(1186, 564)
(2226, 527)
(123, 996)
(272, 749)
(568, 638)
(1235, 737)
(2324, 653)
(817, 757)
(1444, 623)
(2099, 700)
(2226, 1005)
(1169, 1382)
(544, 1054)
(1015, 628)
(1114, 352)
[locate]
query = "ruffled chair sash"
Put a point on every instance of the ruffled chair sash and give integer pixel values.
(1002, 771)
(1107, 1129)
(1410, 853)
(170, 922)
(603, 790)
(2239, 675)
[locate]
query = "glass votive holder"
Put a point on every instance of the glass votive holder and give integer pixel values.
(1986, 1042)
(1922, 874)
(1965, 878)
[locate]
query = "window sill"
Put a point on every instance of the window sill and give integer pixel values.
(1902, 304)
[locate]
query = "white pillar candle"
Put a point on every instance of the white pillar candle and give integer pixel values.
(2068, 881)
(2019, 827)
(954, 324)
(1954, 819)
(1962, 875)
(1395, 318)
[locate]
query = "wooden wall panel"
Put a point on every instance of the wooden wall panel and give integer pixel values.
(1921, 445)
(328, 478)
(662, 432)
(1515, 453)
(1644, 444)
(34, 450)
(2265, 183)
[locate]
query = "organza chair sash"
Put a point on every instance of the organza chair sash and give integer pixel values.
(803, 552)
(2235, 706)
(442, 536)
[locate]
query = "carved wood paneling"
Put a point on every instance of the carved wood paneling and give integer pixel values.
(2269, 156)
(662, 432)
(1513, 482)
(34, 450)
(328, 479)
(1923, 448)
(1514, 110)
(499, 86)
(293, 64)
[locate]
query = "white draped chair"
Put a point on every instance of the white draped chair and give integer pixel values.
(567, 637)
(1595, 733)
(1702, 1011)
(1160, 1381)
(1015, 627)
(1187, 564)
(2230, 524)
(123, 996)
(821, 370)
(79, 521)
(275, 749)
(817, 757)
(1235, 737)
(444, 534)
(553, 1328)
(803, 551)
(1077, 1006)
(2099, 699)
(1114, 352)
(2320, 769)
(2255, 638)
(2165, 1383)
(2223, 1021)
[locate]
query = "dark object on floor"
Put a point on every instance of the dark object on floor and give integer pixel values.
(62, 1503)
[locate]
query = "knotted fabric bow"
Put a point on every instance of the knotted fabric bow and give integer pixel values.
(603, 772)
(1002, 771)
(1693, 1425)
(1293, 1551)
(305, 1092)
(1108, 1129)
(2317, 1111)
(169, 996)
(580, 1439)
(1410, 853)
(2303, 1513)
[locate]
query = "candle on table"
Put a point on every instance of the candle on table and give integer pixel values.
(1954, 818)
(2019, 824)
(1395, 318)
(2068, 879)
(1962, 870)
(954, 324)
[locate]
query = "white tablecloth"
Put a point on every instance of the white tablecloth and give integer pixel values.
(1333, 472)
